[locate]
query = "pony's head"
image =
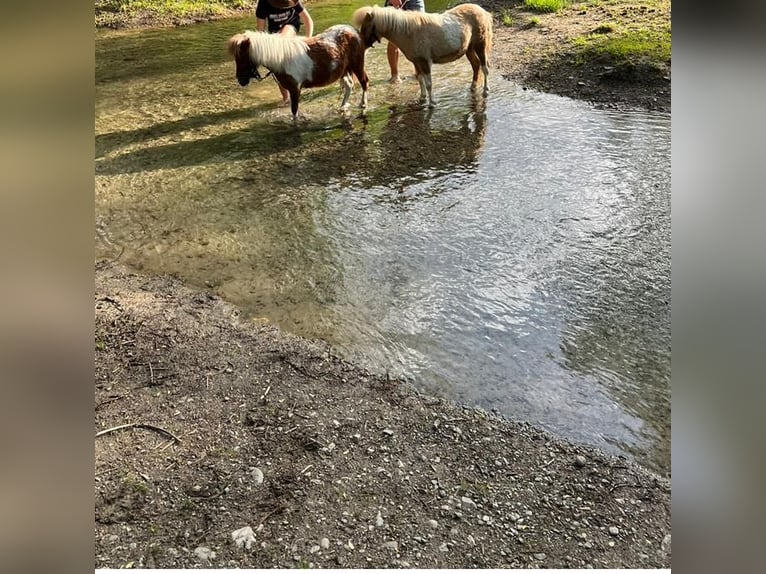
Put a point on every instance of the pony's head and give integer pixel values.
(364, 20)
(239, 48)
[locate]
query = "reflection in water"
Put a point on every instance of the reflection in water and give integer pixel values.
(509, 252)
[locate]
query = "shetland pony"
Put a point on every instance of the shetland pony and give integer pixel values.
(427, 39)
(299, 62)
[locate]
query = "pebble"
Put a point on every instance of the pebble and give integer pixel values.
(324, 543)
(610, 544)
(467, 503)
(580, 461)
(314, 549)
(391, 545)
(433, 524)
(443, 547)
(540, 556)
(257, 474)
(243, 537)
(471, 540)
(514, 517)
(666, 543)
(379, 520)
(204, 553)
(614, 531)
(388, 432)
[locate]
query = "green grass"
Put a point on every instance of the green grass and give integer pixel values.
(533, 21)
(629, 45)
(506, 17)
(107, 10)
(545, 5)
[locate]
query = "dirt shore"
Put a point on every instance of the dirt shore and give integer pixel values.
(265, 450)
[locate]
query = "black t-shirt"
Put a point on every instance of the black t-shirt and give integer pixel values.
(278, 18)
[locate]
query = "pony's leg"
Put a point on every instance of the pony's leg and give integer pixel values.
(358, 68)
(483, 54)
(295, 95)
(423, 71)
(346, 83)
(473, 57)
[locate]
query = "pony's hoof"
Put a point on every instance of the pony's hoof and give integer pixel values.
(431, 104)
(486, 93)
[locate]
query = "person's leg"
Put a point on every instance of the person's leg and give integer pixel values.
(393, 62)
(288, 32)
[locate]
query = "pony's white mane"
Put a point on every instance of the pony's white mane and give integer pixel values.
(274, 51)
(388, 19)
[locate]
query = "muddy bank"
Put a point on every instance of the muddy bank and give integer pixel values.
(537, 50)
(329, 465)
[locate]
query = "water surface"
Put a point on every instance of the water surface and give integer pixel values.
(511, 252)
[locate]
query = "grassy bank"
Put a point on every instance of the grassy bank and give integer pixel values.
(141, 13)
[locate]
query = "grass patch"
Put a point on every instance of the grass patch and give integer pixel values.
(603, 29)
(631, 45)
(545, 5)
(114, 10)
(533, 22)
(506, 17)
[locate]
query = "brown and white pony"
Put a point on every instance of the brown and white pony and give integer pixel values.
(427, 39)
(299, 62)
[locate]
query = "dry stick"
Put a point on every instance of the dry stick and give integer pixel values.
(139, 425)
(110, 400)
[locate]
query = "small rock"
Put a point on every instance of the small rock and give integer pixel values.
(666, 544)
(314, 549)
(388, 432)
(379, 520)
(443, 547)
(324, 543)
(349, 545)
(614, 531)
(540, 556)
(433, 524)
(391, 545)
(610, 544)
(467, 503)
(580, 461)
(257, 475)
(204, 553)
(514, 517)
(243, 537)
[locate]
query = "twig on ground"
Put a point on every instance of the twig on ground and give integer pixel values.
(110, 400)
(139, 425)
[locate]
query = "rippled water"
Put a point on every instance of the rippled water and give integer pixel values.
(511, 253)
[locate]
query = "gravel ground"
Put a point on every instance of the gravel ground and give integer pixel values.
(261, 449)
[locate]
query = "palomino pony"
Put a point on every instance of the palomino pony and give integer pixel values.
(298, 62)
(426, 39)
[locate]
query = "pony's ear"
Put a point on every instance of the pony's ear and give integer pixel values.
(231, 45)
(368, 17)
(235, 42)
